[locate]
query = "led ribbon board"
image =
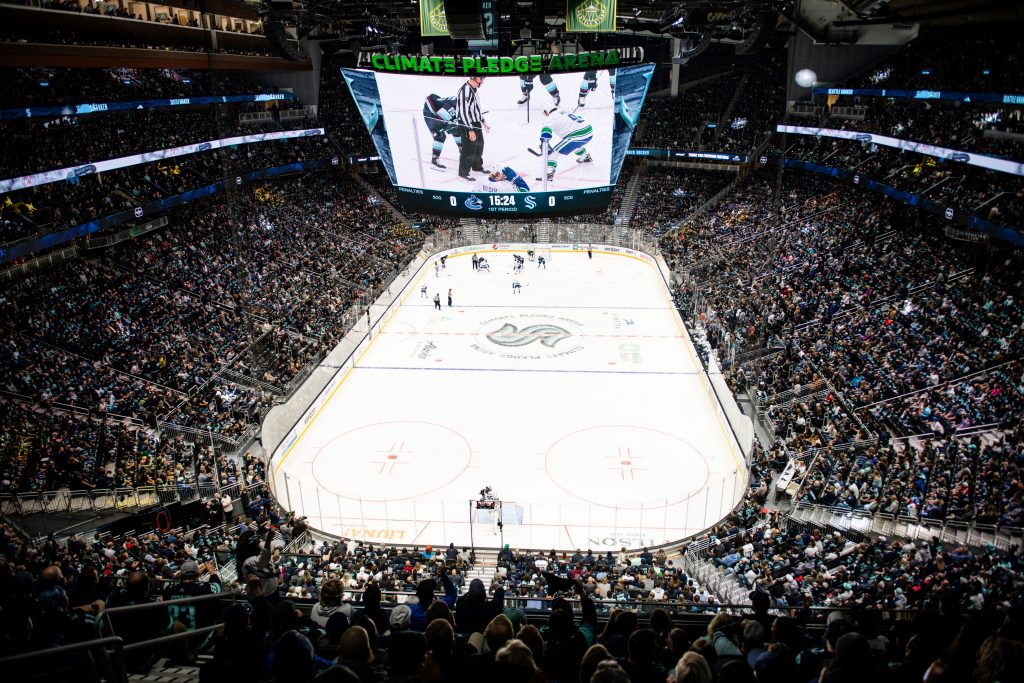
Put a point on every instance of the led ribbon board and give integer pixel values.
(970, 158)
(57, 175)
(94, 107)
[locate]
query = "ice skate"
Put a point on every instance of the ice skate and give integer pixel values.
(585, 160)
(437, 164)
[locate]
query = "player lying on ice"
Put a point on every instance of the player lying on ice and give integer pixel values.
(508, 175)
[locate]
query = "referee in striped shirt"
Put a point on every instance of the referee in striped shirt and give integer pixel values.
(471, 128)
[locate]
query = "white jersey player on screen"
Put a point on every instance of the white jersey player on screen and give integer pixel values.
(565, 134)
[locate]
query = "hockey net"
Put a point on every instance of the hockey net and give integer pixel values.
(545, 253)
(485, 520)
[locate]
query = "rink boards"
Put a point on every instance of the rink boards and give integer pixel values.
(578, 396)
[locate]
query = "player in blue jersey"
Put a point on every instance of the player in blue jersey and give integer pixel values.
(526, 86)
(509, 175)
(589, 83)
(565, 134)
(439, 115)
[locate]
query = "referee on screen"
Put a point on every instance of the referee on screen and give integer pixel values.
(471, 128)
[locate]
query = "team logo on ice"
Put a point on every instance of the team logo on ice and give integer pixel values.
(509, 335)
(591, 14)
(473, 202)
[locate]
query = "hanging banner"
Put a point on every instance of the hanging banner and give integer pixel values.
(433, 21)
(590, 16)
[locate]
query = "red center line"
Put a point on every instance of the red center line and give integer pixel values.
(556, 334)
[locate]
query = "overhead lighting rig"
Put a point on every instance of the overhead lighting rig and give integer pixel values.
(287, 22)
(747, 24)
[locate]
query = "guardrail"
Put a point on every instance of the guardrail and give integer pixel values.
(961, 532)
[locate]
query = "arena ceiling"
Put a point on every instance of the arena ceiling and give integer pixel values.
(394, 24)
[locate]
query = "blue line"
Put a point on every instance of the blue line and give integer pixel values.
(567, 308)
(583, 372)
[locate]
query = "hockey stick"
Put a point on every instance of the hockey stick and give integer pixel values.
(534, 152)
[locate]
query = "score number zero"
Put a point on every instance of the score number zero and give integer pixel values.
(500, 200)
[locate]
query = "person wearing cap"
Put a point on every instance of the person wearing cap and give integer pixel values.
(196, 615)
(400, 618)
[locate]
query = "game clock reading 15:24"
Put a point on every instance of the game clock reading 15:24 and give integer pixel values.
(477, 203)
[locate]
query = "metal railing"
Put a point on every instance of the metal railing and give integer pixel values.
(961, 532)
(104, 656)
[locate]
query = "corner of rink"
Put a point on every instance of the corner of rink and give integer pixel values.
(578, 394)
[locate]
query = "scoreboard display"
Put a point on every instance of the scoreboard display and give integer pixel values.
(522, 203)
(546, 144)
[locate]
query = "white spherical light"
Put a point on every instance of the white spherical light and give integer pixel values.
(805, 78)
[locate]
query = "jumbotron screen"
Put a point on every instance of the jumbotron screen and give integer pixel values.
(547, 143)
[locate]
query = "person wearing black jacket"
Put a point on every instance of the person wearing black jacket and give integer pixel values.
(248, 546)
(565, 642)
(473, 611)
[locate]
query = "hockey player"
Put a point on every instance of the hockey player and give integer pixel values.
(516, 287)
(423, 292)
(565, 134)
(542, 262)
(590, 83)
(526, 86)
(439, 115)
(509, 175)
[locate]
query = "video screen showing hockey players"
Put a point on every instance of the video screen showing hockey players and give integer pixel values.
(493, 133)
(446, 142)
(525, 133)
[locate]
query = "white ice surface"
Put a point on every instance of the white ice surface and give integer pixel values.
(605, 437)
(402, 98)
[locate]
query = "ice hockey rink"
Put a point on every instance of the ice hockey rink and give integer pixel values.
(578, 399)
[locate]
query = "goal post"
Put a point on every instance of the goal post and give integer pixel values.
(492, 519)
(544, 252)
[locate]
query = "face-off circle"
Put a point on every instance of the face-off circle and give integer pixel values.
(396, 332)
(391, 461)
(588, 271)
(631, 461)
